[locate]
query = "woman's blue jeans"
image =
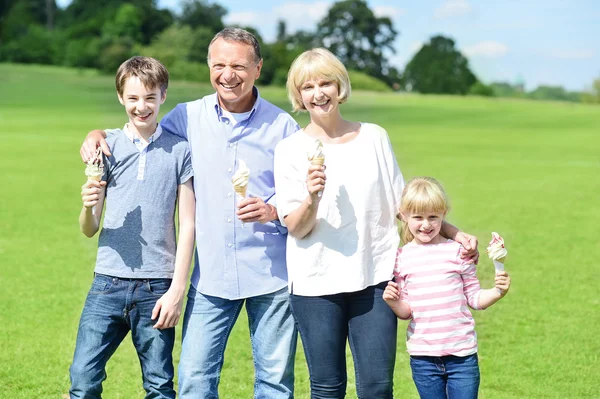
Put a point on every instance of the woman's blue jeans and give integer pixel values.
(446, 377)
(327, 322)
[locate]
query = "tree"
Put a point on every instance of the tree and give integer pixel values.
(196, 13)
(359, 38)
(439, 67)
(592, 96)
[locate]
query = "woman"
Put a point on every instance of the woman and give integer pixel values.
(342, 232)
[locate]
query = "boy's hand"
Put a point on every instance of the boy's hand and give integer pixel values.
(254, 209)
(502, 282)
(94, 139)
(91, 192)
(169, 308)
(469, 247)
(391, 292)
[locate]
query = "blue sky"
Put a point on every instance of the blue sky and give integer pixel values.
(554, 42)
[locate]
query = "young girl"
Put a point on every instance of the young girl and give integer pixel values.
(433, 287)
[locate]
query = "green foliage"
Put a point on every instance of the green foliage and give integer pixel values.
(170, 45)
(36, 45)
(190, 71)
(554, 93)
(593, 95)
(481, 89)
(438, 67)
(362, 81)
(197, 13)
(359, 38)
(504, 89)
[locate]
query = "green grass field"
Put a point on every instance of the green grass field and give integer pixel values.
(529, 170)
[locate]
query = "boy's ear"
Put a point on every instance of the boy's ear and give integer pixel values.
(163, 97)
(120, 99)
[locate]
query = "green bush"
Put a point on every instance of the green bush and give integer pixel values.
(481, 89)
(191, 71)
(362, 81)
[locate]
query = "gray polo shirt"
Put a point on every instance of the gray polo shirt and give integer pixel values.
(138, 233)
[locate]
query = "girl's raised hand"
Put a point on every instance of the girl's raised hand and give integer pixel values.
(502, 282)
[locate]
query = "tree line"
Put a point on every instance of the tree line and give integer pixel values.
(103, 33)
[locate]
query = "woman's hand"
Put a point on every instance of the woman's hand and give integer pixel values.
(315, 180)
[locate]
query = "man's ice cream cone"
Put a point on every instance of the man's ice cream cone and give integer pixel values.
(240, 179)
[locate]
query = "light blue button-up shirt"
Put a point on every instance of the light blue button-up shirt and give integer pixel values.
(233, 260)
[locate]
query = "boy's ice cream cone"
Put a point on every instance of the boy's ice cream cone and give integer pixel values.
(240, 179)
(94, 170)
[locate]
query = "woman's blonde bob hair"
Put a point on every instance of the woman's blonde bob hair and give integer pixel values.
(318, 63)
(421, 195)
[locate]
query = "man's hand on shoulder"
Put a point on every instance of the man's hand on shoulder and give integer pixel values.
(93, 140)
(469, 250)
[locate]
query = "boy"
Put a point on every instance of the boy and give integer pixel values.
(141, 272)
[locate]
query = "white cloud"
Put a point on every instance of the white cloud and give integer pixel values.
(388, 11)
(573, 54)
(243, 18)
(488, 49)
(299, 15)
(453, 8)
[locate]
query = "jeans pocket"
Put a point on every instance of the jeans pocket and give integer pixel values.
(101, 284)
(158, 286)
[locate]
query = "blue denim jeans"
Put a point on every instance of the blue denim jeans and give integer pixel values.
(207, 323)
(446, 377)
(327, 322)
(114, 307)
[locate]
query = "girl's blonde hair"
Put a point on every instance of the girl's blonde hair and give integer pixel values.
(421, 195)
(318, 63)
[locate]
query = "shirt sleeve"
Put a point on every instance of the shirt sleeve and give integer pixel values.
(187, 171)
(289, 182)
(396, 178)
(175, 122)
(471, 286)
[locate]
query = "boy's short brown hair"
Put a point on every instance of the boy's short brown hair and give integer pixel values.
(151, 72)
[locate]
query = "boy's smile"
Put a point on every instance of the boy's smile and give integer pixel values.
(142, 105)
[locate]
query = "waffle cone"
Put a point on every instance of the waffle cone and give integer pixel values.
(317, 161)
(96, 178)
(241, 190)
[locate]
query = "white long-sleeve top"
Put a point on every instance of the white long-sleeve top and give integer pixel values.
(354, 241)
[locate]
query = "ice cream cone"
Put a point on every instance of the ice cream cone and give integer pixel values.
(241, 191)
(317, 161)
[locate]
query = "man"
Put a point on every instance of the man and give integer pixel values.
(240, 254)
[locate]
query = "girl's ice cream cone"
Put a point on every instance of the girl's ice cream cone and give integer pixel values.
(497, 252)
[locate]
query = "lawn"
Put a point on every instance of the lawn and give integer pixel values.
(528, 170)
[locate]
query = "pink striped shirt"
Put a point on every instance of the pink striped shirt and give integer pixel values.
(438, 286)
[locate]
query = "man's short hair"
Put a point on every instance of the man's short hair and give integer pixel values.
(151, 72)
(317, 63)
(238, 35)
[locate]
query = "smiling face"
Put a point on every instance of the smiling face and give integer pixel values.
(233, 71)
(425, 226)
(142, 105)
(320, 97)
